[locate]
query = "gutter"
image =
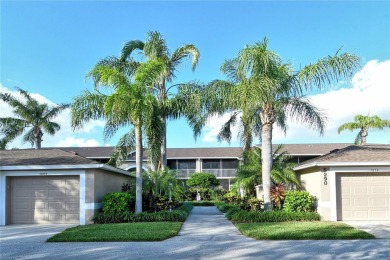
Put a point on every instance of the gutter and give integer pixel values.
(330, 164)
(66, 167)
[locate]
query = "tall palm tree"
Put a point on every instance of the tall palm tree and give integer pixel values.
(30, 114)
(363, 123)
(260, 81)
(131, 103)
(155, 48)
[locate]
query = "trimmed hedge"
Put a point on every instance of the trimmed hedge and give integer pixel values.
(203, 203)
(224, 207)
(272, 216)
(235, 214)
(178, 214)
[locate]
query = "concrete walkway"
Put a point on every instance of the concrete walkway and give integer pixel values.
(209, 224)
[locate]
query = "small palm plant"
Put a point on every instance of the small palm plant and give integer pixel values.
(363, 123)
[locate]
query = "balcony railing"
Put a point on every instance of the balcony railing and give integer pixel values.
(185, 173)
(219, 173)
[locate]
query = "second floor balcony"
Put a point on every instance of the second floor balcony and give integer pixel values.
(219, 173)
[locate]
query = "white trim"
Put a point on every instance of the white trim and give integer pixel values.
(41, 173)
(65, 167)
(82, 198)
(335, 164)
(3, 201)
(333, 195)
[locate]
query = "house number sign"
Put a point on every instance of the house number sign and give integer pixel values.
(324, 171)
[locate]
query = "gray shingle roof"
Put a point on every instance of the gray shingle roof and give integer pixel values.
(311, 149)
(227, 152)
(353, 154)
(221, 152)
(21, 157)
(90, 152)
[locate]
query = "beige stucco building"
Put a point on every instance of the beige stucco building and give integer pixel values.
(53, 186)
(352, 183)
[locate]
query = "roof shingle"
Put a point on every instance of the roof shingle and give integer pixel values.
(21, 157)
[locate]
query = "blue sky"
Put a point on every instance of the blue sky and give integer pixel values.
(47, 47)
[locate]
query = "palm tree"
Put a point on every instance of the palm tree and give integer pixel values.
(30, 114)
(155, 48)
(249, 173)
(132, 103)
(363, 123)
(260, 81)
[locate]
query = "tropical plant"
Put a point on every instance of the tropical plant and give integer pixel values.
(363, 123)
(29, 114)
(249, 173)
(155, 48)
(131, 103)
(278, 194)
(265, 89)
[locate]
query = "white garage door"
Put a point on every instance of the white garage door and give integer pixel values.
(362, 196)
(53, 199)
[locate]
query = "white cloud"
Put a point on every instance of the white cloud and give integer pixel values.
(213, 126)
(65, 136)
(79, 142)
(369, 94)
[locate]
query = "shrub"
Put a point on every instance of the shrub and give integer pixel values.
(255, 204)
(117, 203)
(178, 214)
(224, 207)
(203, 203)
(278, 195)
(272, 216)
(299, 201)
(202, 180)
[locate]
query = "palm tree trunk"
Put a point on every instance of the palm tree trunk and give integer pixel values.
(363, 134)
(164, 146)
(138, 163)
(266, 150)
(38, 138)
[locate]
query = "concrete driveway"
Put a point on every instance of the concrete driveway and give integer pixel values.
(30, 233)
(205, 235)
(380, 229)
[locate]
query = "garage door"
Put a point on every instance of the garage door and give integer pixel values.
(45, 199)
(362, 196)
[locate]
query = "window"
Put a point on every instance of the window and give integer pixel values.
(186, 164)
(230, 164)
(172, 164)
(211, 164)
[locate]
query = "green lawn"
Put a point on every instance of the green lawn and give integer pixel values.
(301, 231)
(141, 231)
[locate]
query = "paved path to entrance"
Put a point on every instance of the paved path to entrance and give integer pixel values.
(206, 234)
(209, 224)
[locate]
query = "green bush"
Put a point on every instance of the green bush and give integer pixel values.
(255, 204)
(224, 207)
(202, 180)
(299, 201)
(178, 214)
(117, 203)
(272, 216)
(203, 203)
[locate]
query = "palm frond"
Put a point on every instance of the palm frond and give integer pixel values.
(185, 52)
(129, 47)
(328, 70)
